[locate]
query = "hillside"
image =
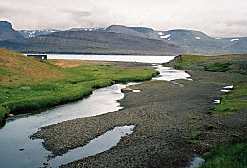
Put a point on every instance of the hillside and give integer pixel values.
(143, 32)
(28, 85)
(34, 33)
(18, 69)
(126, 30)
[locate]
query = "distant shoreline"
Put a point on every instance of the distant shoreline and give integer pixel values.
(95, 53)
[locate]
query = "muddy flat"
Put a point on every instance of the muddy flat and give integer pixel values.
(169, 118)
(76, 63)
(173, 123)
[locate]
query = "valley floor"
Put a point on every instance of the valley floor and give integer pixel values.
(174, 120)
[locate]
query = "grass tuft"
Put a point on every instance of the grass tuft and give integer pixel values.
(218, 67)
(233, 101)
(227, 156)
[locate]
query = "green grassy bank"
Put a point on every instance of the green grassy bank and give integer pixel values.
(234, 69)
(227, 156)
(235, 66)
(28, 85)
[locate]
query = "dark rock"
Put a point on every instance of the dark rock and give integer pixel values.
(126, 90)
(11, 115)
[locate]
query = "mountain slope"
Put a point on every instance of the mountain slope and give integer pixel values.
(237, 45)
(125, 30)
(190, 41)
(134, 31)
(34, 33)
(8, 33)
(98, 43)
(119, 39)
(200, 43)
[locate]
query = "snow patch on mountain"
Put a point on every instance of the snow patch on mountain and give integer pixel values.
(34, 33)
(87, 29)
(165, 36)
(232, 40)
(160, 33)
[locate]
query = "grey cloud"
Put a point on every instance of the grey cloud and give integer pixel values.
(217, 18)
(237, 22)
(78, 17)
(77, 13)
(7, 11)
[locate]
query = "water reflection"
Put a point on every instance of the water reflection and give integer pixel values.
(95, 146)
(122, 58)
(169, 74)
(15, 134)
(17, 150)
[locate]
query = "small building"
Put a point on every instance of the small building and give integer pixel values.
(41, 57)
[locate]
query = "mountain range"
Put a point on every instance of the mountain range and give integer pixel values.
(34, 33)
(118, 39)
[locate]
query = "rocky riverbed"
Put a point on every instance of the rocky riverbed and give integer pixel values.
(173, 123)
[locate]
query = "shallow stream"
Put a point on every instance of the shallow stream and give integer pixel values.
(17, 150)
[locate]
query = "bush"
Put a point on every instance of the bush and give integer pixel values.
(218, 67)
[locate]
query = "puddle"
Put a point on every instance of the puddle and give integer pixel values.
(179, 84)
(196, 162)
(225, 91)
(170, 74)
(136, 91)
(229, 87)
(217, 101)
(95, 146)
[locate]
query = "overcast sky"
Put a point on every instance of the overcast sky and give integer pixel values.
(215, 17)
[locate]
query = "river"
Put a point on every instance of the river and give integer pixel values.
(17, 150)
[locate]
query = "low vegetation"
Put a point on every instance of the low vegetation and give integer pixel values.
(234, 101)
(189, 62)
(235, 68)
(218, 67)
(227, 156)
(235, 65)
(28, 85)
(224, 63)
